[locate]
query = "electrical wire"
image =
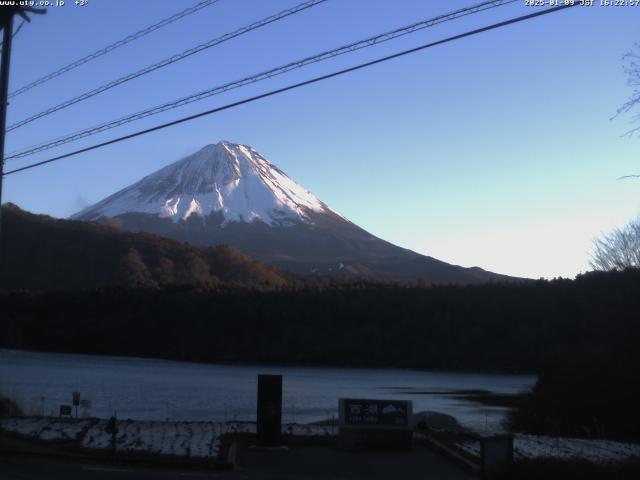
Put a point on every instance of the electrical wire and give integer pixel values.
(367, 42)
(168, 61)
(295, 86)
(113, 46)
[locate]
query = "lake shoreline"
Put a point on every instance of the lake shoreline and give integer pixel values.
(278, 364)
(156, 389)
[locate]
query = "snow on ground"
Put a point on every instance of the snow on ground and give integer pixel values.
(47, 429)
(295, 429)
(202, 439)
(538, 446)
(182, 439)
(298, 429)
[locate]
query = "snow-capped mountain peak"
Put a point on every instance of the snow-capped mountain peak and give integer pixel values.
(226, 177)
(245, 201)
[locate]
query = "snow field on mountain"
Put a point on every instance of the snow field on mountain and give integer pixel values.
(228, 178)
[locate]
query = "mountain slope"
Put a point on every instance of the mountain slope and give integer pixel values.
(229, 194)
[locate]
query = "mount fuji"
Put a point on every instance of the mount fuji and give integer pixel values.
(229, 194)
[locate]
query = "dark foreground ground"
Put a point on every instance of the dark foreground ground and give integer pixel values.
(568, 470)
(34, 467)
(328, 463)
(299, 462)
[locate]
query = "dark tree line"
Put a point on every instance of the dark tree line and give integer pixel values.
(505, 327)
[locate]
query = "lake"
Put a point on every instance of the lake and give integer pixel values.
(150, 389)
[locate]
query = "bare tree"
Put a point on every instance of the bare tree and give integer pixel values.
(619, 249)
(631, 67)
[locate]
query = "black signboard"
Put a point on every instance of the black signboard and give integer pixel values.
(269, 409)
(375, 413)
(76, 398)
(65, 410)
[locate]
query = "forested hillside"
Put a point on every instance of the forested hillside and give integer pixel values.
(44, 253)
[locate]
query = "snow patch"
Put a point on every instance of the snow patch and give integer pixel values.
(47, 429)
(539, 446)
(182, 439)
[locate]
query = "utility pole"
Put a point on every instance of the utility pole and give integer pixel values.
(6, 23)
(7, 28)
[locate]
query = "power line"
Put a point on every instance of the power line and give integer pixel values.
(295, 86)
(19, 28)
(113, 46)
(367, 42)
(168, 61)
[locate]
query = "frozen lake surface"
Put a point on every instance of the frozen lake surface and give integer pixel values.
(148, 389)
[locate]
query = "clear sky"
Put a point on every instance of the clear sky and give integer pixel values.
(495, 150)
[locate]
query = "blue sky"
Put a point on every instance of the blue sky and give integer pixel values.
(495, 150)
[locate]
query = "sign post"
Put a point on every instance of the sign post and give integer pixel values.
(375, 423)
(269, 426)
(112, 428)
(76, 401)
